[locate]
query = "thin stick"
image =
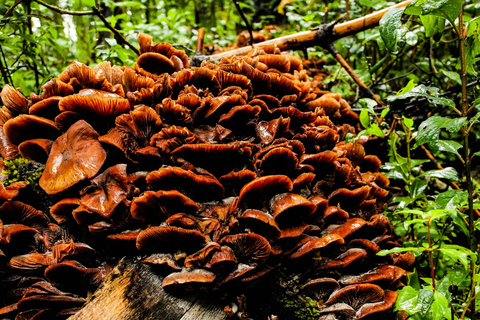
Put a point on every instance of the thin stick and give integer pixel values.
(115, 31)
(10, 10)
(249, 27)
(357, 80)
(61, 11)
(200, 37)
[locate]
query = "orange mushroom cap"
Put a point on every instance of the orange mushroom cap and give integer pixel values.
(74, 156)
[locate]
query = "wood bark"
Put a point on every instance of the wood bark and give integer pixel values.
(134, 291)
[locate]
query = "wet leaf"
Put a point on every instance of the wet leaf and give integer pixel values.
(431, 93)
(390, 26)
(440, 307)
(451, 199)
(446, 173)
(429, 129)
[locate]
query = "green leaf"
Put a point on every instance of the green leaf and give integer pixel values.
(364, 118)
(375, 130)
(448, 173)
(425, 299)
(454, 76)
(451, 199)
(431, 93)
(390, 28)
(385, 112)
(432, 25)
(418, 187)
(460, 223)
(457, 253)
(398, 249)
(408, 300)
(440, 307)
(408, 122)
(443, 8)
(368, 104)
(410, 85)
(447, 146)
(429, 129)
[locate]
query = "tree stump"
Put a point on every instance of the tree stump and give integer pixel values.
(133, 291)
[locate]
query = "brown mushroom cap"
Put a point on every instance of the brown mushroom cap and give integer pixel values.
(256, 193)
(190, 278)
(259, 222)
(95, 103)
(21, 213)
(218, 159)
(155, 63)
(374, 307)
(107, 191)
(159, 205)
(75, 155)
(73, 276)
(169, 240)
(197, 187)
(291, 207)
(249, 248)
(36, 149)
(347, 228)
(343, 260)
(46, 108)
(316, 244)
(62, 210)
(14, 100)
(26, 127)
(357, 295)
(384, 274)
(199, 258)
(321, 288)
(31, 262)
(342, 310)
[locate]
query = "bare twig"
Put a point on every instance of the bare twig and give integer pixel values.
(115, 31)
(10, 10)
(4, 70)
(62, 11)
(249, 27)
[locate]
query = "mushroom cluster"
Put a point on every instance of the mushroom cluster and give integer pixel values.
(213, 175)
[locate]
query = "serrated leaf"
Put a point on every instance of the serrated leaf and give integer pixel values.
(440, 307)
(364, 118)
(431, 93)
(447, 146)
(429, 130)
(398, 249)
(451, 199)
(425, 298)
(445, 173)
(477, 116)
(390, 26)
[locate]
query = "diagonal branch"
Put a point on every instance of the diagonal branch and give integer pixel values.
(62, 11)
(115, 31)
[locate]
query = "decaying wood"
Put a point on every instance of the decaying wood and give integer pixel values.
(133, 291)
(307, 38)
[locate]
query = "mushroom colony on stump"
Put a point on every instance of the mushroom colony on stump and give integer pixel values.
(216, 176)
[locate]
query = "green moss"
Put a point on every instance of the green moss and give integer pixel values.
(21, 169)
(297, 304)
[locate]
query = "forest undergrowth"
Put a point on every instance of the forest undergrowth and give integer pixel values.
(422, 62)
